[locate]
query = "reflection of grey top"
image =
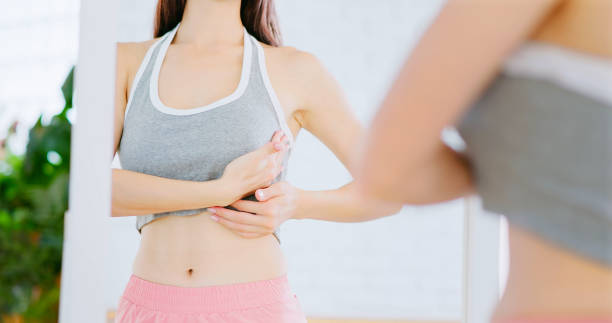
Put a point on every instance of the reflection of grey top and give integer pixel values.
(196, 144)
(542, 156)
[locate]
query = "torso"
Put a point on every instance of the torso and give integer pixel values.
(539, 288)
(195, 251)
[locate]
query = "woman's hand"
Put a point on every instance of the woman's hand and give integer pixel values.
(254, 170)
(275, 204)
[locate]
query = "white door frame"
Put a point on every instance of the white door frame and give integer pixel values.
(481, 262)
(87, 223)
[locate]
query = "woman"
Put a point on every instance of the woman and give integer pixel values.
(528, 85)
(198, 109)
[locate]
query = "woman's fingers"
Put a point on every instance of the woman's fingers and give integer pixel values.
(282, 149)
(280, 139)
(274, 190)
(242, 222)
(270, 160)
(278, 146)
(244, 218)
(276, 143)
(239, 227)
(285, 140)
(249, 206)
(282, 143)
(276, 136)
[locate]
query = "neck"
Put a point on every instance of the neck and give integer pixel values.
(207, 22)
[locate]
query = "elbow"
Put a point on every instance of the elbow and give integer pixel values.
(372, 203)
(117, 210)
(394, 209)
(377, 208)
(385, 209)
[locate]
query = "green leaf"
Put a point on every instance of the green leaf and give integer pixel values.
(67, 89)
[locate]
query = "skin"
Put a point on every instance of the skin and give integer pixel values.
(404, 159)
(214, 249)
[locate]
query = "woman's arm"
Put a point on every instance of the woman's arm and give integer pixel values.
(326, 114)
(135, 193)
(405, 160)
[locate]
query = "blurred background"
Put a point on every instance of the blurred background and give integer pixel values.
(407, 267)
(39, 50)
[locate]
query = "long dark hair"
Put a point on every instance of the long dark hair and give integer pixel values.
(258, 17)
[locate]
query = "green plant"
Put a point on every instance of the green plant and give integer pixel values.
(33, 200)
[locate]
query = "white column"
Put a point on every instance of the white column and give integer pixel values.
(87, 222)
(481, 262)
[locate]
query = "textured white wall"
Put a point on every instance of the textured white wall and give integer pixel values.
(405, 266)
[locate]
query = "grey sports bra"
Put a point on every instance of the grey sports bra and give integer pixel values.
(196, 144)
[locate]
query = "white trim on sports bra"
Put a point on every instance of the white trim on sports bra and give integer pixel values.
(138, 76)
(244, 79)
(275, 102)
(242, 85)
(581, 72)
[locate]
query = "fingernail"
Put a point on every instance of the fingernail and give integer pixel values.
(211, 210)
(214, 218)
(278, 146)
(260, 194)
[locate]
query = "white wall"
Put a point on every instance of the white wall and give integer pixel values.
(405, 266)
(39, 45)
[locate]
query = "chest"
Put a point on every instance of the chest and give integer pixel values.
(191, 78)
(196, 112)
(194, 147)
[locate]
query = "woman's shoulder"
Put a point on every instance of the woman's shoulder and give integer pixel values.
(130, 54)
(292, 58)
(302, 73)
(295, 62)
(129, 58)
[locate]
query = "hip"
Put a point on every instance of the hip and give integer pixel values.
(270, 301)
(548, 282)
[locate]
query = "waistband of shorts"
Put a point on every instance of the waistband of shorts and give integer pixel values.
(206, 299)
(543, 320)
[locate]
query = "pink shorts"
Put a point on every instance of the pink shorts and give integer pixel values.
(265, 301)
(541, 320)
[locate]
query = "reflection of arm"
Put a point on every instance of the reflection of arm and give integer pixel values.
(459, 54)
(327, 115)
(136, 193)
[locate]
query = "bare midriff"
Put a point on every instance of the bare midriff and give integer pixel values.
(192, 251)
(548, 281)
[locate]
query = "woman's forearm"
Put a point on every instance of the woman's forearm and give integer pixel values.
(441, 176)
(136, 193)
(341, 205)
